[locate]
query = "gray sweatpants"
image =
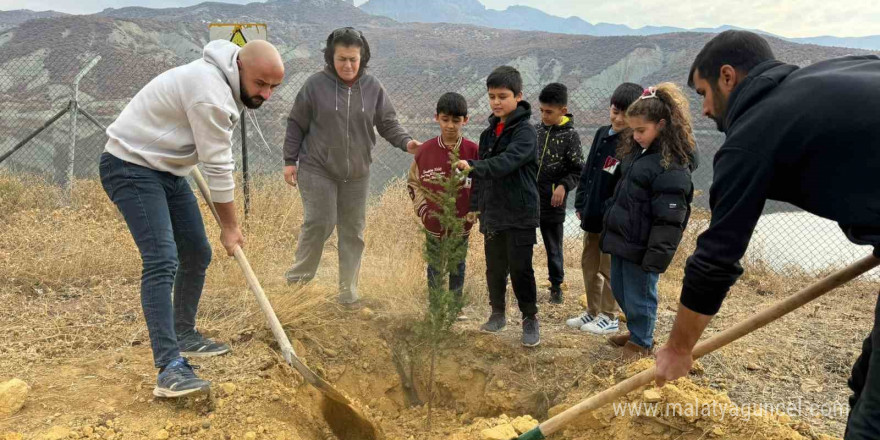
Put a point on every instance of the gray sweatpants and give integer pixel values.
(331, 204)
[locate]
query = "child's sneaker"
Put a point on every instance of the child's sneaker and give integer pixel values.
(556, 295)
(196, 345)
(580, 321)
(178, 379)
(497, 322)
(602, 325)
(531, 335)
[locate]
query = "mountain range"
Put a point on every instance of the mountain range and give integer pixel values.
(531, 19)
(137, 43)
(416, 62)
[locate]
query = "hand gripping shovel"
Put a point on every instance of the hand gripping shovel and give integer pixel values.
(707, 346)
(344, 420)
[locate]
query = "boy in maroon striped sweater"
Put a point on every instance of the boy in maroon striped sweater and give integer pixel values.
(433, 159)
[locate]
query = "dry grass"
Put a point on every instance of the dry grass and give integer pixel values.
(85, 253)
(86, 250)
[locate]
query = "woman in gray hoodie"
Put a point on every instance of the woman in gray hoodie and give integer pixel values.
(327, 153)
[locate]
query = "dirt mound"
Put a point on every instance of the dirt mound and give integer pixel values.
(680, 409)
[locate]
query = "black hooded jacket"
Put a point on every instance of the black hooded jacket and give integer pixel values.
(807, 136)
(560, 160)
(504, 186)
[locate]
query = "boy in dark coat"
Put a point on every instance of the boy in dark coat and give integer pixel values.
(506, 196)
(560, 160)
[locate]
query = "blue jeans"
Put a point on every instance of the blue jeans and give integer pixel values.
(164, 219)
(636, 292)
(456, 274)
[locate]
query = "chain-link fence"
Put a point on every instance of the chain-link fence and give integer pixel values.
(47, 98)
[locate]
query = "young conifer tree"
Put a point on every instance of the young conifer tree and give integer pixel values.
(444, 255)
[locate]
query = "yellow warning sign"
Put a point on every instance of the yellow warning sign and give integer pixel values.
(238, 38)
(238, 33)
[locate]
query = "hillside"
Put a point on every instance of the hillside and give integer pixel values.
(531, 19)
(10, 19)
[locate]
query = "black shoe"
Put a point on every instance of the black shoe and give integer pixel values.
(178, 379)
(196, 345)
(497, 322)
(531, 336)
(556, 295)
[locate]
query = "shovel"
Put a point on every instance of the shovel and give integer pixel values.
(707, 346)
(344, 419)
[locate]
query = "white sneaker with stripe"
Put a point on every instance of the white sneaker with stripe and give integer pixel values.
(579, 321)
(602, 325)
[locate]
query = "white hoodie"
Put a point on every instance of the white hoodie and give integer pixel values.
(185, 116)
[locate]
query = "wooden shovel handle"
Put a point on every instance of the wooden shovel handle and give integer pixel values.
(709, 345)
(250, 276)
(274, 324)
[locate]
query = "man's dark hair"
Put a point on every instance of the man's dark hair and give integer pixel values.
(505, 77)
(743, 50)
(452, 104)
(347, 37)
(626, 94)
(554, 94)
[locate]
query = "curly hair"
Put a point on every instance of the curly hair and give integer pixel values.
(347, 37)
(676, 140)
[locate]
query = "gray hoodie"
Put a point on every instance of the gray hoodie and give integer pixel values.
(185, 116)
(330, 130)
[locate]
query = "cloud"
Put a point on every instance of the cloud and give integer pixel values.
(790, 18)
(92, 6)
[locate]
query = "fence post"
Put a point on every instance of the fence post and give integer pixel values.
(71, 151)
(68, 174)
(244, 166)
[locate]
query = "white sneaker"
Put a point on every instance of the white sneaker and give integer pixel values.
(580, 321)
(602, 325)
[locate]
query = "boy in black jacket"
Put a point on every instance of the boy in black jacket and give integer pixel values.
(504, 192)
(560, 160)
(596, 186)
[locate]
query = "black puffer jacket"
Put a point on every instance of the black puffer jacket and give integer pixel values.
(598, 180)
(649, 211)
(787, 139)
(504, 187)
(560, 160)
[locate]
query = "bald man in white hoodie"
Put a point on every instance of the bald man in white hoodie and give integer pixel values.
(183, 117)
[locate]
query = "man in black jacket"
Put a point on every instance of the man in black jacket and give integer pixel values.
(807, 136)
(504, 192)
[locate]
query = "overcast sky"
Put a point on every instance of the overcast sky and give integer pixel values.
(790, 18)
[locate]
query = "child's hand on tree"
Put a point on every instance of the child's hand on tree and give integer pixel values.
(558, 196)
(463, 165)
